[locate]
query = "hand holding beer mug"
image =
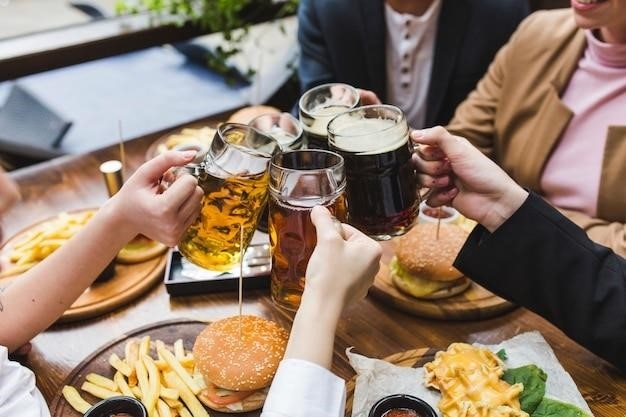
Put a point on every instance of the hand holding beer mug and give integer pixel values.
(320, 104)
(382, 192)
(299, 180)
(234, 177)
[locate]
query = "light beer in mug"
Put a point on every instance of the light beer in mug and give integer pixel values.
(234, 178)
(299, 180)
(292, 241)
(319, 105)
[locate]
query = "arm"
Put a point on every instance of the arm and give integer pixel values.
(315, 65)
(303, 385)
(34, 301)
(526, 250)
(563, 276)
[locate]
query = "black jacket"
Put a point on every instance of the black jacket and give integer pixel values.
(544, 262)
(344, 41)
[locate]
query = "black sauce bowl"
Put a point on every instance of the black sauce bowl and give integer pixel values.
(114, 405)
(421, 407)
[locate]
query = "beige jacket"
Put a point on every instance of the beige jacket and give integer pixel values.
(516, 117)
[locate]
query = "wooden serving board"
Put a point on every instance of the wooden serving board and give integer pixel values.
(473, 304)
(167, 331)
(415, 358)
(128, 282)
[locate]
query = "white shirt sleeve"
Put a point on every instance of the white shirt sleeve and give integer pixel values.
(18, 394)
(305, 389)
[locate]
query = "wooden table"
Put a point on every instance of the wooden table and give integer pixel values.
(374, 329)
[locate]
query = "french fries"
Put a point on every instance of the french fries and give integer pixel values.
(44, 240)
(164, 382)
(77, 402)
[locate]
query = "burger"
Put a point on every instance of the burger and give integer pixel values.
(238, 357)
(422, 265)
(140, 249)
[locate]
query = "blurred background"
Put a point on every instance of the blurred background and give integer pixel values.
(72, 72)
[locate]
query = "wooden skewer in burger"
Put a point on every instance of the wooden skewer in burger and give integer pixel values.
(238, 357)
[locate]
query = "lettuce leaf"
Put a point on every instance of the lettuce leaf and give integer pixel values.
(534, 380)
(549, 407)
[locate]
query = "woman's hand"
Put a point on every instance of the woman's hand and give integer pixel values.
(459, 174)
(343, 264)
(340, 271)
(162, 215)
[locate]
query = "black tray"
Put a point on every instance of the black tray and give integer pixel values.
(184, 278)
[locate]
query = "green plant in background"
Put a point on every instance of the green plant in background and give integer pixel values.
(230, 17)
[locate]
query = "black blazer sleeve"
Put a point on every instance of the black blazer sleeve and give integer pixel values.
(544, 262)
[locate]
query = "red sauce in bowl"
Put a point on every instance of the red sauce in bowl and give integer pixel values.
(400, 412)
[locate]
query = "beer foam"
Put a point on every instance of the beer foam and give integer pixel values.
(321, 116)
(368, 136)
(283, 138)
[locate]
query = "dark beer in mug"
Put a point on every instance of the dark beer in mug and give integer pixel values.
(382, 190)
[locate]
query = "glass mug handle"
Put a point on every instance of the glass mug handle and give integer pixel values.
(172, 174)
(422, 192)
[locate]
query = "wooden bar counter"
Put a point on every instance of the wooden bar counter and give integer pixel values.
(374, 329)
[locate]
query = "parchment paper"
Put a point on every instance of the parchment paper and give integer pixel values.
(377, 378)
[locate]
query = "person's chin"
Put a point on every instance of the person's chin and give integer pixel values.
(589, 15)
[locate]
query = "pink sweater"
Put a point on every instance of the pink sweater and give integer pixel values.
(597, 96)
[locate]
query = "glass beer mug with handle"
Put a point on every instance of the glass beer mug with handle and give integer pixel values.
(287, 131)
(382, 191)
(320, 104)
(299, 180)
(234, 177)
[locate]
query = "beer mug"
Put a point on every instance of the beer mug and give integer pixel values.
(299, 180)
(382, 192)
(287, 131)
(283, 127)
(234, 177)
(320, 104)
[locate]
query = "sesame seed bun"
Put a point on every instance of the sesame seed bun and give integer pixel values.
(422, 265)
(246, 114)
(421, 253)
(240, 353)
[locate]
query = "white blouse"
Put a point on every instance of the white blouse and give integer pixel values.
(305, 389)
(18, 394)
(299, 389)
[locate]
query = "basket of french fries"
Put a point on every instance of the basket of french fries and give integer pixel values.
(161, 376)
(31, 246)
